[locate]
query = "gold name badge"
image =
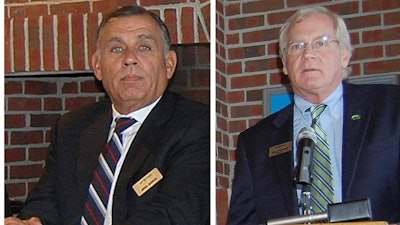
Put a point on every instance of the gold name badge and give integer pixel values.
(147, 182)
(280, 149)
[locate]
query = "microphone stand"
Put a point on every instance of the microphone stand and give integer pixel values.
(305, 201)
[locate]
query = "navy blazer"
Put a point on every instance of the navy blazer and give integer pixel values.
(174, 138)
(263, 186)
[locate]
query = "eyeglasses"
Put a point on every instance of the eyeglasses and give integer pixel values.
(318, 45)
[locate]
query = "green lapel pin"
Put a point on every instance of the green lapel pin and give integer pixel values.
(356, 117)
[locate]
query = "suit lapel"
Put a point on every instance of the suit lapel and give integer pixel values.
(92, 142)
(356, 118)
(142, 147)
(284, 163)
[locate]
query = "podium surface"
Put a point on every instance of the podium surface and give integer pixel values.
(356, 223)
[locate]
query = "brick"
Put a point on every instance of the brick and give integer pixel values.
(23, 11)
(26, 137)
(106, 6)
(63, 43)
(15, 121)
(203, 52)
(187, 28)
(253, 95)
(37, 154)
(91, 86)
(70, 8)
(373, 5)
(381, 35)
(261, 65)
(261, 35)
(200, 78)
(170, 19)
(384, 66)
(14, 155)
(278, 17)
(40, 87)
(294, 3)
(7, 40)
(392, 50)
(246, 22)
(48, 47)
(261, 6)
(13, 87)
(34, 44)
(19, 45)
(232, 9)
(246, 52)
(246, 111)
(16, 189)
(21, 103)
(69, 87)
(234, 68)
(52, 104)
(235, 97)
(26, 171)
(78, 42)
(391, 18)
(363, 21)
(78, 102)
(237, 126)
(92, 27)
(248, 81)
(371, 52)
(279, 78)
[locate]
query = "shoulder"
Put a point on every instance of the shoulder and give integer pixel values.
(86, 115)
(179, 106)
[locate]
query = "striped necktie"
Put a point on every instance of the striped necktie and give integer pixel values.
(322, 183)
(99, 188)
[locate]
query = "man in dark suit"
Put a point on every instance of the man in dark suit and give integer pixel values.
(162, 176)
(362, 123)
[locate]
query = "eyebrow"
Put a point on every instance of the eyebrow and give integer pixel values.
(295, 41)
(140, 37)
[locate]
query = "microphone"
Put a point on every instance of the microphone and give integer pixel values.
(306, 141)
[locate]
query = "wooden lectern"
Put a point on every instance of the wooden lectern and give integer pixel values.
(355, 223)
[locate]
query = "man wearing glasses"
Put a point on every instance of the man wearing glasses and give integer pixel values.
(356, 129)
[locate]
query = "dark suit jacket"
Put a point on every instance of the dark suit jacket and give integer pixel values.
(174, 138)
(263, 186)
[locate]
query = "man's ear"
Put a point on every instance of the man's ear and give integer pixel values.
(96, 66)
(170, 63)
(345, 58)
(284, 67)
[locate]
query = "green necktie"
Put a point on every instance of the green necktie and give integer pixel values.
(322, 183)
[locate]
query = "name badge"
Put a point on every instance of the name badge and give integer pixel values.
(280, 149)
(147, 182)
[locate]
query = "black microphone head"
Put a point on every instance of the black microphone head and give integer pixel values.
(307, 132)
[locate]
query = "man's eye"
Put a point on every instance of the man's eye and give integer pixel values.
(320, 43)
(296, 46)
(144, 48)
(116, 49)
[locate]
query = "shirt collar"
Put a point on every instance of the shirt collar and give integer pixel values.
(139, 115)
(332, 102)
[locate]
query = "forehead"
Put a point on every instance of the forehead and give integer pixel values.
(312, 26)
(131, 25)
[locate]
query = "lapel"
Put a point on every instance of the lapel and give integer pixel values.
(92, 141)
(356, 117)
(142, 147)
(283, 164)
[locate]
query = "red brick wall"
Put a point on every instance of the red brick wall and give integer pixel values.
(56, 35)
(48, 45)
(247, 62)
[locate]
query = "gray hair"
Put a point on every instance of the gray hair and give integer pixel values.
(342, 34)
(136, 11)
